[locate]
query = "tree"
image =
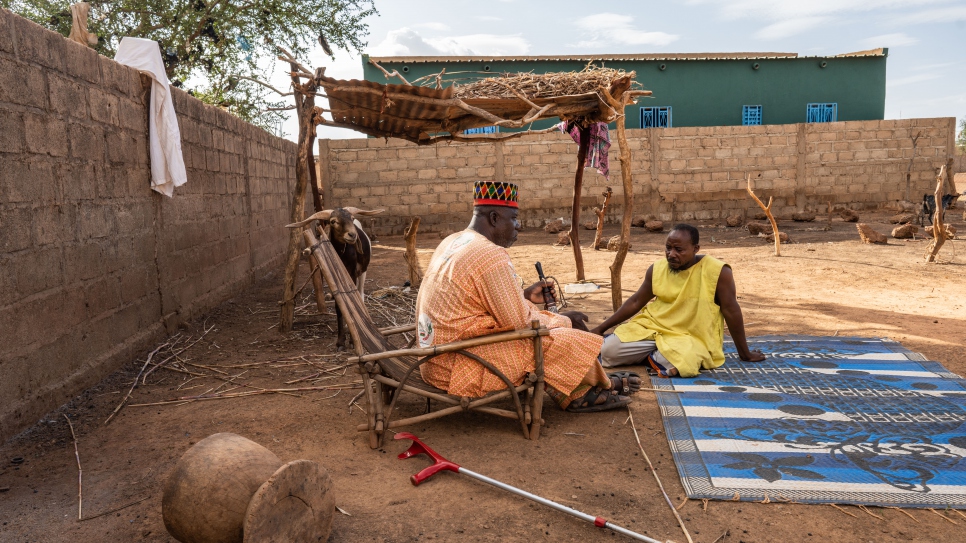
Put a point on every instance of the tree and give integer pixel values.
(212, 47)
(961, 139)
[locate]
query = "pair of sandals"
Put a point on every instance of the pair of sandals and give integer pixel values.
(623, 384)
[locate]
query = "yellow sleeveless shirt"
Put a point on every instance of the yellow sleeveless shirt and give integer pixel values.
(683, 318)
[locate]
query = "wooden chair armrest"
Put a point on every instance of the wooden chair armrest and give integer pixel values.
(452, 347)
(397, 329)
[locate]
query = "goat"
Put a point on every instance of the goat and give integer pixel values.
(929, 206)
(351, 244)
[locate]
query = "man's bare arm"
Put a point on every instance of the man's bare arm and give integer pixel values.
(635, 303)
(726, 298)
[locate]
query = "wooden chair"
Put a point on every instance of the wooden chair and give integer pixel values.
(387, 371)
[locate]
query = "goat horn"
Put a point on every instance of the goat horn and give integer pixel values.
(320, 216)
(356, 211)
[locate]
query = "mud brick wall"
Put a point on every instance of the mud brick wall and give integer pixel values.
(95, 267)
(680, 174)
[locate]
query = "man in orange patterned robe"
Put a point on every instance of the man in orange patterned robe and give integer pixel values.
(471, 290)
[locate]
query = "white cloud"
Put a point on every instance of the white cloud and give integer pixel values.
(488, 18)
(409, 42)
(439, 27)
(789, 17)
(889, 40)
(789, 27)
(911, 79)
(604, 29)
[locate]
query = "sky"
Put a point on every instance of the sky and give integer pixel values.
(926, 68)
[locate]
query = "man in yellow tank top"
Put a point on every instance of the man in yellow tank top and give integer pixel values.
(675, 321)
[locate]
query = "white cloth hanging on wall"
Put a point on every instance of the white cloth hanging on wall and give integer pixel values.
(167, 161)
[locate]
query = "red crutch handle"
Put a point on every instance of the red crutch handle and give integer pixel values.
(418, 447)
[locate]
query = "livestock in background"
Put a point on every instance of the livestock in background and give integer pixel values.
(929, 206)
(353, 246)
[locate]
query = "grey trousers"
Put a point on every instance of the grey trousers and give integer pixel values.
(616, 353)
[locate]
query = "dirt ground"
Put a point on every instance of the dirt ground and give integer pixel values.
(825, 283)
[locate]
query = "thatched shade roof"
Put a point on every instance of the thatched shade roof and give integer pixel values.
(420, 114)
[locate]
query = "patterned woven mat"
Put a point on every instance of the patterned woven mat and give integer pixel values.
(822, 420)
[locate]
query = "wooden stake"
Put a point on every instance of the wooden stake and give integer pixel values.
(771, 218)
(305, 107)
(575, 211)
(938, 228)
(317, 284)
(412, 259)
(600, 212)
(80, 473)
(616, 295)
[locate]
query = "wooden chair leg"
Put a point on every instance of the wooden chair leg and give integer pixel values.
(536, 410)
(374, 401)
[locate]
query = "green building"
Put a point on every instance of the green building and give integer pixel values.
(702, 89)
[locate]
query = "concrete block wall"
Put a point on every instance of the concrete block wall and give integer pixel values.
(94, 265)
(693, 173)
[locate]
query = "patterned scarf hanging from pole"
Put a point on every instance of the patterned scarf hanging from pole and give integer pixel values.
(597, 151)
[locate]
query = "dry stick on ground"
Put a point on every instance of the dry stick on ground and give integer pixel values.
(843, 510)
(938, 228)
(412, 259)
(904, 512)
(80, 473)
(175, 355)
(654, 472)
(909, 170)
(108, 512)
(942, 516)
(135, 383)
(575, 210)
(600, 212)
(771, 218)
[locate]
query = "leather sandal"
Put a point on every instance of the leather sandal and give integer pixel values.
(598, 399)
(625, 382)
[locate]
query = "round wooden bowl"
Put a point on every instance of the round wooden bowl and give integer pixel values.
(206, 497)
(295, 505)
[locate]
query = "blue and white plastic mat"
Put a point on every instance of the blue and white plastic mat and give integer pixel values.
(822, 420)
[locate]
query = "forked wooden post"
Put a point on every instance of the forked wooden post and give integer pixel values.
(601, 212)
(616, 294)
(575, 212)
(938, 227)
(412, 259)
(771, 218)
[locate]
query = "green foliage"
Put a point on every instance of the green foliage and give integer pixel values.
(206, 44)
(961, 138)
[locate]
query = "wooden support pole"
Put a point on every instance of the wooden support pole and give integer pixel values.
(305, 107)
(771, 218)
(600, 212)
(412, 259)
(575, 212)
(938, 227)
(616, 294)
(317, 284)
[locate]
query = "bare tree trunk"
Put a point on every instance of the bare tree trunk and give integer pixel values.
(616, 294)
(575, 212)
(600, 212)
(771, 218)
(938, 227)
(412, 259)
(305, 107)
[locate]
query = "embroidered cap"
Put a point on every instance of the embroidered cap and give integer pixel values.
(494, 193)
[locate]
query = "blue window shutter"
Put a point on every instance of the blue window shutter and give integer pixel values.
(822, 113)
(656, 117)
(751, 115)
(483, 130)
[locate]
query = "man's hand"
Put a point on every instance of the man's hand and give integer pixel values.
(597, 330)
(753, 356)
(534, 292)
(577, 319)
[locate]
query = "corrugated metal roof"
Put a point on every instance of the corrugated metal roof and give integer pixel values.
(614, 58)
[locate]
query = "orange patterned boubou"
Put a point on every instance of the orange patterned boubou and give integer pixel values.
(471, 290)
